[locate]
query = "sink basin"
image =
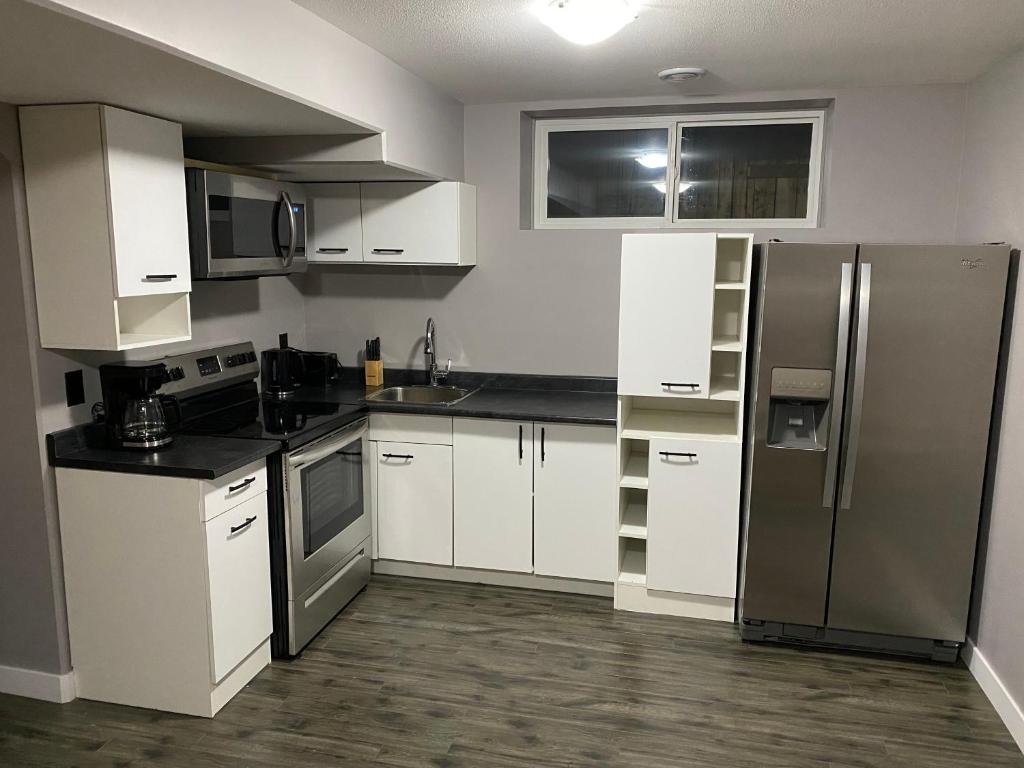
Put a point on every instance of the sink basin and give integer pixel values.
(421, 395)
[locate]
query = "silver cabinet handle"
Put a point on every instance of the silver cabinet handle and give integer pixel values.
(857, 401)
(286, 260)
(838, 387)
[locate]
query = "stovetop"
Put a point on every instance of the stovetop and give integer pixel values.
(291, 422)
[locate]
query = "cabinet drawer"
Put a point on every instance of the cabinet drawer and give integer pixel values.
(411, 428)
(693, 516)
(231, 490)
(238, 558)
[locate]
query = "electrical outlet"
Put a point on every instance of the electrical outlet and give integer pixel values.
(74, 387)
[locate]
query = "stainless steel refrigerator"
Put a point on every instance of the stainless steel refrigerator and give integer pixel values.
(872, 389)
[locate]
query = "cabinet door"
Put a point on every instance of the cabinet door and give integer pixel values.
(575, 501)
(414, 502)
(238, 556)
(411, 222)
(335, 224)
(493, 494)
(693, 517)
(665, 314)
(146, 188)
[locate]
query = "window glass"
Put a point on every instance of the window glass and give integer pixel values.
(758, 171)
(606, 173)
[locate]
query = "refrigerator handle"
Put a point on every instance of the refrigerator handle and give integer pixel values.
(857, 401)
(828, 496)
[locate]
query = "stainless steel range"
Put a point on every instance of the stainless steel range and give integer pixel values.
(319, 507)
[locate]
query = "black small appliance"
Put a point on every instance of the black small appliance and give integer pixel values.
(319, 369)
(134, 411)
(281, 370)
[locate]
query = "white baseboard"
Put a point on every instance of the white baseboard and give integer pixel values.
(47, 686)
(1008, 709)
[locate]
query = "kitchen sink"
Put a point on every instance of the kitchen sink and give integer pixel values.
(421, 395)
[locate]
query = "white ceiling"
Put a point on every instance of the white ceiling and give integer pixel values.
(496, 50)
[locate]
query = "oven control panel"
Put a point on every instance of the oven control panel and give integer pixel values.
(193, 372)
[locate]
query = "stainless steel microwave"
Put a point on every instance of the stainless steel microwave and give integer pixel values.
(244, 226)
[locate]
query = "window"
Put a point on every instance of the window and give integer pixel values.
(745, 170)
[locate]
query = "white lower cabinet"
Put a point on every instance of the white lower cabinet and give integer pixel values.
(168, 593)
(240, 612)
(575, 501)
(493, 494)
(414, 502)
(692, 519)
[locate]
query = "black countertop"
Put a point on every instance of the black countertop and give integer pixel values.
(572, 400)
(199, 456)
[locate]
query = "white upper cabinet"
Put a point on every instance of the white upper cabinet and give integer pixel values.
(665, 314)
(575, 501)
(106, 199)
(335, 224)
(419, 223)
(493, 494)
(146, 192)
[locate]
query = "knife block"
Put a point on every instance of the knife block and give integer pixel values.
(374, 373)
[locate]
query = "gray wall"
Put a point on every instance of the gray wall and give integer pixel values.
(547, 301)
(992, 208)
(31, 599)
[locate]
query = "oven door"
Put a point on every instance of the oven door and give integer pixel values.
(326, 485)
(241, 226)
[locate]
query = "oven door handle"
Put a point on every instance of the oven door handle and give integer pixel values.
(334, 445)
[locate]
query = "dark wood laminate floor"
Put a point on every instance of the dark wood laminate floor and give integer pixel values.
(421, 673)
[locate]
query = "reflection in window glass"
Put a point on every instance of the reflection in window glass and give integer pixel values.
(744, 171)
(593, 174)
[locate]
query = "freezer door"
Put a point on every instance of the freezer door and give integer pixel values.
(919, 403)
(803, 312)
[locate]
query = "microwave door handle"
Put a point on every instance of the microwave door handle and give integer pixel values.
(286, 260)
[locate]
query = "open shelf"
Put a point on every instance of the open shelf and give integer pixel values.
(726, 344)
(729, 285)
(142, 321)
(655, 424)
(633, 562)
(724, 389)
(634, 521)
(635, 473)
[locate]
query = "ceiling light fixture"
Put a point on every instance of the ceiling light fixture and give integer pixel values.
(683, 186)
(681, 74)
(653, 159)
(585, 22)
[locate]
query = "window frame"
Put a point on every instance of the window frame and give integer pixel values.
(674, 124)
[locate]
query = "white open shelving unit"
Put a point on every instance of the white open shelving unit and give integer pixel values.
(712, 416)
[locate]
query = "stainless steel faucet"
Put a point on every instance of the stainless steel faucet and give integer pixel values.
(437, 377)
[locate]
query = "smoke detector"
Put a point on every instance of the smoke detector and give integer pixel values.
(681, 74)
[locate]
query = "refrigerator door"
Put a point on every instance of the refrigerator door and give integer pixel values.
(803, 311)
(923, 360)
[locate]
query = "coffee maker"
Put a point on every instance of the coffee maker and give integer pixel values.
(134, 411)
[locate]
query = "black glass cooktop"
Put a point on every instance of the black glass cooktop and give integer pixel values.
(291, 422)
